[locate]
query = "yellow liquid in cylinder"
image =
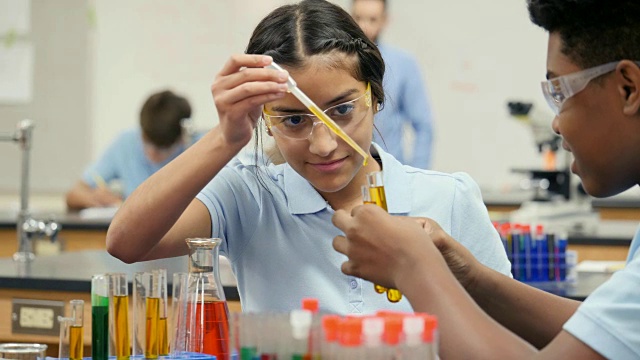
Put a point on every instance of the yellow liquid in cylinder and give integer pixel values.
(151, 333)
(163, 336)
(378, 197)
(75, 343)
(121, 319)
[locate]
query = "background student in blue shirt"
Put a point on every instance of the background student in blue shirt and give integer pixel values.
(275, 220)
(136, 153)
(406, 105)
(593, 67)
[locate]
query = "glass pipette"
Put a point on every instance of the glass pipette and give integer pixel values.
(304, 99)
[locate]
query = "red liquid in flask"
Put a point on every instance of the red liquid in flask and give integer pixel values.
(211, 329)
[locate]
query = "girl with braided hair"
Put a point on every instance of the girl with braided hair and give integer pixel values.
(275, 220)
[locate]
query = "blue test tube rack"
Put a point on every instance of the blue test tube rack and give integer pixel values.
(538, 256)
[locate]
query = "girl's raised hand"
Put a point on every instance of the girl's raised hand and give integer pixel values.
(239, 91)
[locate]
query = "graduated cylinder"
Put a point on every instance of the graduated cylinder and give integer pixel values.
(150, 335)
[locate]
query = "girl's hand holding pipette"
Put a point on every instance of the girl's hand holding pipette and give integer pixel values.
(239, 91)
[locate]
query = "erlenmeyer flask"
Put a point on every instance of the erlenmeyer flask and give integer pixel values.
(207, 312)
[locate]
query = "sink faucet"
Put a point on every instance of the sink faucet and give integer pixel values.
(28, 229)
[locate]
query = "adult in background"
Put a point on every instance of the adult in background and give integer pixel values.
(407, 105)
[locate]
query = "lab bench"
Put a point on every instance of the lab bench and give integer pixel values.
(76, 233)
(67, 276)
(608, 208)
(62, 271)
(619, 221)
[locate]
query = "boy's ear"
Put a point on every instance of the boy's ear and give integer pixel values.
(630, 87)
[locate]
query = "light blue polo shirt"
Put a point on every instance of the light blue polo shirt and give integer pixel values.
(124, 160)
(608, 321)
(278, 238)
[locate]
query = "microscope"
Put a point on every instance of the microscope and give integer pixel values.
(28, 229)
(556, 202)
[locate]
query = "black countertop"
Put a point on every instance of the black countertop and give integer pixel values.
(72, 271)
(516, 199)
(616, 233)
(607, 232)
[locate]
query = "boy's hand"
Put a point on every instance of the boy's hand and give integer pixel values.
(381, 248)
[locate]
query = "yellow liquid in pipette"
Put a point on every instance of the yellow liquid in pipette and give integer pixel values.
(330, 123)
(306, 101)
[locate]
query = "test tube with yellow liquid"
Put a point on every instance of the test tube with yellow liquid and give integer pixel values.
(163, 326)
(150, 321)
(76, 330)
(119, 345)
(152, 318)
(376, 195)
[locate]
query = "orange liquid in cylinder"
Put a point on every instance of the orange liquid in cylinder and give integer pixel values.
(211, 329)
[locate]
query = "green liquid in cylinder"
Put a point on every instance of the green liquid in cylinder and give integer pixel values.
(100, 332)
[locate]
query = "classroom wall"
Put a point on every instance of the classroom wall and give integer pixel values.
(61, 100)
(474, 55)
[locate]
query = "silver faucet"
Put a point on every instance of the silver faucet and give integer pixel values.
(28, 229)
